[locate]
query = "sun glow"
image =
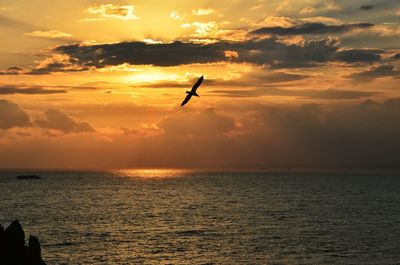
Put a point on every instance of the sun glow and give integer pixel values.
(150, 77)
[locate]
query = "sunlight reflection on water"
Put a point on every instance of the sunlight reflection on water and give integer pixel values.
(151, 173)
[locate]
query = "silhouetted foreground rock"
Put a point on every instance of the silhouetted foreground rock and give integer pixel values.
(13, 250)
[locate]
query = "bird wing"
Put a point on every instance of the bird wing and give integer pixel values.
(186, 100)
(197, 84)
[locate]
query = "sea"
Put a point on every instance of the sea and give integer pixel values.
(157, 216)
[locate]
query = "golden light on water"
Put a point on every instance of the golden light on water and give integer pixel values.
(152, 173)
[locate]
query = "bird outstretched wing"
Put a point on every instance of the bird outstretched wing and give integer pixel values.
(192, 92)
(186, 100)
(197, 84)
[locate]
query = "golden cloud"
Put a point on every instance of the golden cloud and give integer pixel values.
(276, 21)
(386, 30)
(176, 15)
(125, 12)
(50, 34)
(203, 11)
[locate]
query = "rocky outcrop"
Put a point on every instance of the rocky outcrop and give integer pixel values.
(13, 250)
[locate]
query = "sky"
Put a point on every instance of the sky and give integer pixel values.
(287, 84)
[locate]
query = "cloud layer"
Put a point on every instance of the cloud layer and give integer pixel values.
(11, 115)
(377, 72)
(362, 135)
(105, 11)
(51, 34)
(311, 28)
(298, 93)
(57, 120)
(207, 122)
(266, 51)
(28, 90)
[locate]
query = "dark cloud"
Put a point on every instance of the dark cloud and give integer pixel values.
(27, 90)
(57, 67)
(264, 51)
(14, 70)
(78, 87)
(207, 122)
(367, 7)
(396, 56)
(361, 135)
(57, 120)
(11, 115)
(311, 28)
(359, 55)
(140, 53)
(328, 94)
(376, 72)
(267, 51)
(279, 55)
(271, 50)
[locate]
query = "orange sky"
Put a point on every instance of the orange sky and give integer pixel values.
(98, 84)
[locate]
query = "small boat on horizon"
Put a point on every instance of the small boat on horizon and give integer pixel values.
(28, 177)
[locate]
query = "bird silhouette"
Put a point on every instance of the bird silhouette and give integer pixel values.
(192, 92)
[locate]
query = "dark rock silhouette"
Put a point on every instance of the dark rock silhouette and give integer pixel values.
(13, 250)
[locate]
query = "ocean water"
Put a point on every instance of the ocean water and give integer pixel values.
(192, 217)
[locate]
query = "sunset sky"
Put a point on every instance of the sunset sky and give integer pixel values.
(288, 83)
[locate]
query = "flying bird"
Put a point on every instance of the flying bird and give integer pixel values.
(192, 92)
